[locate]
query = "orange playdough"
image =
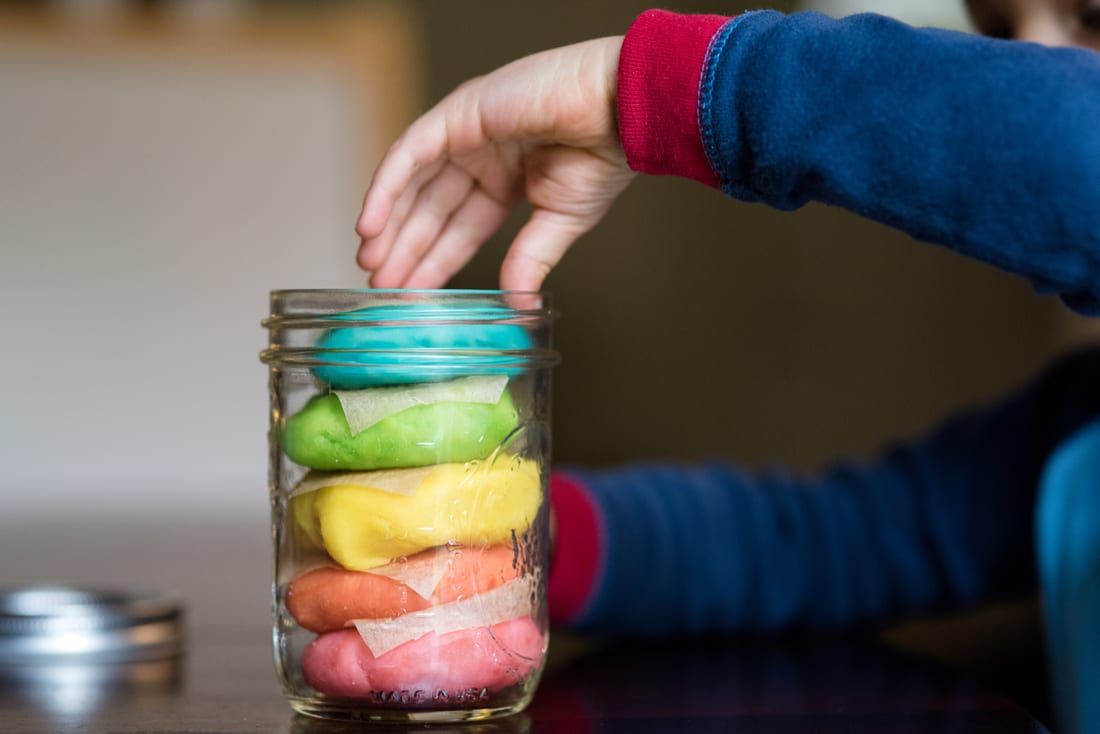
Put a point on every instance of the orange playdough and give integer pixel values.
(328, 599)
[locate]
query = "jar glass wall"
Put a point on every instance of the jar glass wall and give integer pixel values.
(409, 451)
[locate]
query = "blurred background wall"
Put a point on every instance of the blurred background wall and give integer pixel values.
(164, 165)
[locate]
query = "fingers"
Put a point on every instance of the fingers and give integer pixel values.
(450, 127)
(411, 164)
(390, 181)
(374, 250)
(469, 227)
(537, 248)
(432, 208)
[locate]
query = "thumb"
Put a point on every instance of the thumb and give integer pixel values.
(538, 247)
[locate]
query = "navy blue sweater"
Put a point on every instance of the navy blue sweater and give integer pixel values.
(988, 147)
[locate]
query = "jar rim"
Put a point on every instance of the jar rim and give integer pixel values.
(475, 313)
(409, 291)
(317, 308)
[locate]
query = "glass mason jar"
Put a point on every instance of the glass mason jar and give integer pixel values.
(409, 451)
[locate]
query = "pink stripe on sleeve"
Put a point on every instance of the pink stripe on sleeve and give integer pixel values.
(660, 65)
(577, 548)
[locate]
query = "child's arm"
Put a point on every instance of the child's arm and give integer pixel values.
(946, 522)
(985, 146)
(988, 147)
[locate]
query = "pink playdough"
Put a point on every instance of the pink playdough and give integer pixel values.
(432, 668)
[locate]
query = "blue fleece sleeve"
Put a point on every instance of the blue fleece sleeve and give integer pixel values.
(933, 525)
(986, 146)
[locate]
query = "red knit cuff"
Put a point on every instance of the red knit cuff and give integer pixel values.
(576, 548)
(660, 66)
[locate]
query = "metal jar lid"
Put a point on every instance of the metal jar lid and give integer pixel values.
(54, 623)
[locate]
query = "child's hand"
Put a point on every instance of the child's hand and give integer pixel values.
(541, 129)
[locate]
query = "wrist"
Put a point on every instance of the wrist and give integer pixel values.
(662, 59)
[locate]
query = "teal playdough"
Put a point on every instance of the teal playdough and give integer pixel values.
(318, 436)
(406, 344)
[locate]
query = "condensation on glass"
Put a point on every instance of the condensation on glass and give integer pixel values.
(409, 450)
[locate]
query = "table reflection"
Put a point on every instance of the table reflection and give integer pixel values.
(765, 686)
(517, 724)
(69, 693)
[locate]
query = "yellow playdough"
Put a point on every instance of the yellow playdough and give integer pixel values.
(476, 503)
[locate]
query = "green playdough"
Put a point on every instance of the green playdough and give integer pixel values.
(318, 436)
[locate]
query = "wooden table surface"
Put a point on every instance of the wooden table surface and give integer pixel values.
(225, 682)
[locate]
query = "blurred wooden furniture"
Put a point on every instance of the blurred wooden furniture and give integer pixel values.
(159, 177)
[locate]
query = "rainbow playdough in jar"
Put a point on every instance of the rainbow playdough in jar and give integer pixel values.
(409, 450)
